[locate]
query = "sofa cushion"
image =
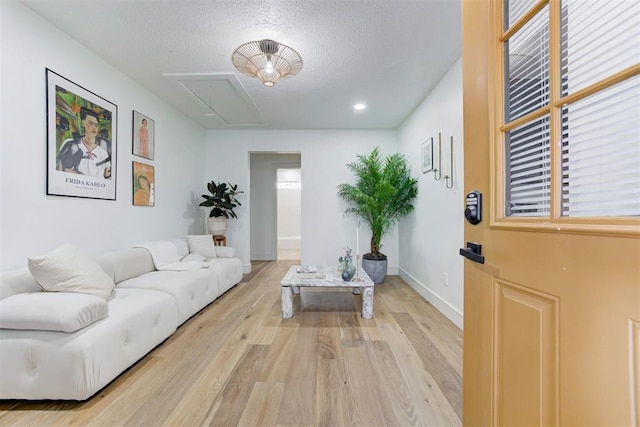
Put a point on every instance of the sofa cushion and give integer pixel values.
(228, 270)
(126, 263)
(51, 311)
(67, 269)
(56, 365)
(202, 245)
(192, 290)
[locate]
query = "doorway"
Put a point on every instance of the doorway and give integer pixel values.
(289, 214)
(268, 213)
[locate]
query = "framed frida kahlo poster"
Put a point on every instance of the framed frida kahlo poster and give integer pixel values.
(144, 130)
(81, 141)
(144, 184)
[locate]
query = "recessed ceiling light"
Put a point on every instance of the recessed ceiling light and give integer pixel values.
(359, 107)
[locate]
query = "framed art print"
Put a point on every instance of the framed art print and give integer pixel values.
(427, 155)
(81, 141)
(144, 184)
(144, 130)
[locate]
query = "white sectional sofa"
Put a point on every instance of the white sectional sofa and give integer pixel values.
(145, 308)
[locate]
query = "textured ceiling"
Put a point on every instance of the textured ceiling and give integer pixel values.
(386, 53)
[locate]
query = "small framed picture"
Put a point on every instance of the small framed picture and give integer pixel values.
(144, 184)
(427, 155)
(144, 132)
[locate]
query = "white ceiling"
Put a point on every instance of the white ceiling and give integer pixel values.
(386, 53)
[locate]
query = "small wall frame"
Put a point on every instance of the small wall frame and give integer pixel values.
(427, 155)
(144, 184)
(144, 132)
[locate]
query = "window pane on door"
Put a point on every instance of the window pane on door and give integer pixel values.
(515, 9)
(527, 67)
(528, 169)
(599, 38)
(601, 153)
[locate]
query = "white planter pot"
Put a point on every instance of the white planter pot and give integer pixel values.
(217, 226)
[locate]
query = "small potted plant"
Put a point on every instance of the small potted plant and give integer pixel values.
(223, 201)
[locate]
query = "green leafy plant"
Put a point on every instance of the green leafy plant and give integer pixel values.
(222, 199)
(383, 193)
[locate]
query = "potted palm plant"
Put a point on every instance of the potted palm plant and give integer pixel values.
(223, 201)
(383, 193)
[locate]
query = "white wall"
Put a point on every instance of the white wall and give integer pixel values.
(289, 208)
(263, 195)
(289, 217)
(431, 236)
(32, 222)
(325, 231)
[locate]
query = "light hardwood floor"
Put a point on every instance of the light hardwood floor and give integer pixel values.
(237, 362)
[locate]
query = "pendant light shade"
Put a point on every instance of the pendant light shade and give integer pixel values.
(267, 60)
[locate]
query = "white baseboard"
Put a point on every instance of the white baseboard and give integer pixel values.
(443, 306)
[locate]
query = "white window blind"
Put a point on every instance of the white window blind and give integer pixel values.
(601, 133)
(515, 10)
(601, 153)
(599, 38)
(599, 156)
(527, 67)
(528, 178)
(527, 146)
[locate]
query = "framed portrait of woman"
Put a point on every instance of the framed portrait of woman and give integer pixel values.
(144, 184)
(144, 130)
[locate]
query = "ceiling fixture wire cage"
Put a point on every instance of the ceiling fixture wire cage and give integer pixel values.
(267, 60)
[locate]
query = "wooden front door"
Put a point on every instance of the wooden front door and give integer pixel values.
(552, 317)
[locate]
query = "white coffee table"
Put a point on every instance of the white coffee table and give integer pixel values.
(324, 277)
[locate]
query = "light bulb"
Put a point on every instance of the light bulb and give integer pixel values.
(269, 68)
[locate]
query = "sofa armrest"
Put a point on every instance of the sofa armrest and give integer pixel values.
(225, 252)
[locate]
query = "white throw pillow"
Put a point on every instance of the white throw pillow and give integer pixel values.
(202, 245)
(67, 269)
(51, 311)
(225, 252)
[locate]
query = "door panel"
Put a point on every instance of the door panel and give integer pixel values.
(634, 338)
(525, 364)
(550, 319)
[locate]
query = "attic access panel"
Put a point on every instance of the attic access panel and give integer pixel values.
(223, 94)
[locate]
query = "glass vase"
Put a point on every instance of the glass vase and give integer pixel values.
(348, 270)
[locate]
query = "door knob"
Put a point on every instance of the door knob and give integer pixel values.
(473, 252)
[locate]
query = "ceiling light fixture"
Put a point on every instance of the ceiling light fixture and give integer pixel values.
(359, 107)
(267, 60)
